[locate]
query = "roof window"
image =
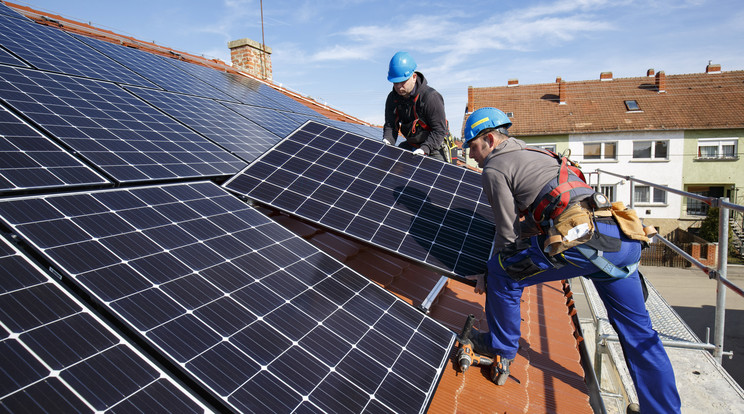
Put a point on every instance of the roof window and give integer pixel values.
(632, 106)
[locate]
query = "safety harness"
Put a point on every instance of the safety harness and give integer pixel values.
(449, 142)
(555, 197)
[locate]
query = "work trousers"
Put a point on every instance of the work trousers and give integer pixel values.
(645, 356)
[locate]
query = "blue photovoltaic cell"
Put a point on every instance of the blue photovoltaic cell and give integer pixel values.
(7, 11)
(418, 207)
(257, 316)
(8, 59)
(275, 121)
(56, 356)
(157, 69)
(29, 160)
(225, 127)
(112, 129)
(54, 50)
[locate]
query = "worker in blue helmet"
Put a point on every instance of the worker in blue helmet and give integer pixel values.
(415, 110)
(546, 235)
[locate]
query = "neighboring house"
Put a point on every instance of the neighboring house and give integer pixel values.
(681, 131)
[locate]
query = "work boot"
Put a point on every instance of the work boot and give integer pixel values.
(481, 343)
(500, 370)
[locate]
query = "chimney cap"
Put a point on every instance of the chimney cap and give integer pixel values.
(605, 76)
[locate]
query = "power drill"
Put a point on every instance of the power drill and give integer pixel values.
(465, 354)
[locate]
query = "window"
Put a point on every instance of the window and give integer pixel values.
(549, 147)
(651, 150)
(632, 105)
(716, 149)
(645, 194)
(600, 150)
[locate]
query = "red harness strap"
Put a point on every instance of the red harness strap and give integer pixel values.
(562, 192)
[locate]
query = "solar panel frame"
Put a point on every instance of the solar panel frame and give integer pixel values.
(54, 50)
(226, 128)
(123, 136)
(58, 356)
(416, 207)
(214, 306)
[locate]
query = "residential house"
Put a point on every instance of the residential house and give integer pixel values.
(681, 131)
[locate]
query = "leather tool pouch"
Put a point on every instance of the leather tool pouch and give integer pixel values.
(521, 259)
(573, 227)
(628, 222)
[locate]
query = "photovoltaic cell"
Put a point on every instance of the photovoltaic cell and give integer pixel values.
(7, 11)
(157, 69)
(56, 356)
(28, 160)
(8, 59)
(112, 129)
(51, 49)
(215, 121)
(256, 315)
(417, 207)
(275, 121)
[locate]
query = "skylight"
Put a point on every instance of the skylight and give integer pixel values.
(632, 105)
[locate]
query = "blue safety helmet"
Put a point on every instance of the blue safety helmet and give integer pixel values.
(401, 68)
(485, 118)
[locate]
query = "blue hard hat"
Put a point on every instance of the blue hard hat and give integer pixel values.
(484, 118)
(401, 68)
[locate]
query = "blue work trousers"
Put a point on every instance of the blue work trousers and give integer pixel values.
(645, 356)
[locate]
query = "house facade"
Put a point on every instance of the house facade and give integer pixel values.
(681, 131)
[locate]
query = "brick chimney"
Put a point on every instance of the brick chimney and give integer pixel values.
(252, 57)
(650, 72)
(512, 82)
(661, 82)
(605, 76)
(713, 68)
(561, 92)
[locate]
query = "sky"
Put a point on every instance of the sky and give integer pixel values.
(337, 52)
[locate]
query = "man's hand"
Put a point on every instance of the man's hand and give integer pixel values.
(386, 142)
(419, 151)
(480, 282)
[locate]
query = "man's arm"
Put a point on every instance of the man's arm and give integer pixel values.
(505, 217)
(435, 118)
(391, 127)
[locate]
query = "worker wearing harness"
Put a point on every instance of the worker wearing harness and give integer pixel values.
(416, 110)
(565, 231)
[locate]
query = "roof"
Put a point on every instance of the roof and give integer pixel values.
(713, 100)
(547, 376)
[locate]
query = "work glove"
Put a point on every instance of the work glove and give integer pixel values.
(386, 142)
(480, 282)
(419, 151)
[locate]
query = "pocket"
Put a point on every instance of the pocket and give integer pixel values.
(520, 260)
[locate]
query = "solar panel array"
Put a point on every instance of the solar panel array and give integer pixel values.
(252, 312)
(234, 308)
(56, 356)
(417, 207)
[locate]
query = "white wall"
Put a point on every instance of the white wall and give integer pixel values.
(664, 172)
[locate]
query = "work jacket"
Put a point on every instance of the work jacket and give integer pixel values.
(420, 118)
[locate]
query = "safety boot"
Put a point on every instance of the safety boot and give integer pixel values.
(500, 369)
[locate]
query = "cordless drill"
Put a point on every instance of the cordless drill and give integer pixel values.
(465, 354)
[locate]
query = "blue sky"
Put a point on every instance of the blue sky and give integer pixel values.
(338, 51)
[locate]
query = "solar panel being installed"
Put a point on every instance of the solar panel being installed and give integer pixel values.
(417, 207)
(257, 316)
(112, 129)
(215, 121)
(61, 53)
(28, 160)
(56, 356)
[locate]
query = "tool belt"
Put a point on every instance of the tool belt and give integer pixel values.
(575, 225)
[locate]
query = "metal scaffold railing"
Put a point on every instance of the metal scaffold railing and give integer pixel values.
(719, 273)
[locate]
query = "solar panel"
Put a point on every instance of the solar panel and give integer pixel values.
(157, 69)
(29, 160)
(54, 50)
(123, 136)
(226, 128)
(8, 59)
(7, 11)
(275, 121)
(256, 315)
(417, 207)
(56, 356)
